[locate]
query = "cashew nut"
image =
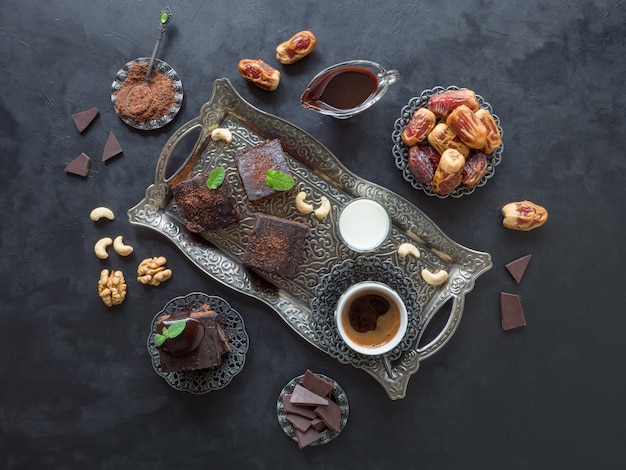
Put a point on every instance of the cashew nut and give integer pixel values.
(221, 133)
(408, 249)
(434, 278)
(324, 209)
(100, 212)
(100, 248)
(302, 206)
(120, 248)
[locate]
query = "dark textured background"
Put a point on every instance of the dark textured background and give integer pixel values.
(78, 389)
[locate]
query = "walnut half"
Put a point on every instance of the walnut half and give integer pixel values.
(112, 287)
(152, 271)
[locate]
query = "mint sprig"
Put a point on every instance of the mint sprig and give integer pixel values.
(174, 330)
(279, 180)
(216, 178)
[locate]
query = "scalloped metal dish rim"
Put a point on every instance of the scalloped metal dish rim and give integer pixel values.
(281, 302)
(399, 149)
(164, 375)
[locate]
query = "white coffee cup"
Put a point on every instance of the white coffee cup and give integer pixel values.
(371, 318)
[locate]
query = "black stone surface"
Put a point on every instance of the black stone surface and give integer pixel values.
(78, 390)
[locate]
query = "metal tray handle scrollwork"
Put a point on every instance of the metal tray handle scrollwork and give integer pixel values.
(218, 252)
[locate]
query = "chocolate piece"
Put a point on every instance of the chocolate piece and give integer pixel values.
(79, 166)
(253, 165)
(517, 268)
(84, 118)
(318, 424)
(210, 350)
(299, 422)
(307, 437)
(275, 245)
(511, 312)
(331, 415)
(302, 396)
(291, 408)
(202, 208)
(316, 384)
(112, 148)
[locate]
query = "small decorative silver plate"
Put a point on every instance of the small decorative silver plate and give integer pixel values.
(166, 69)
(218, 253)
(337, 395)
(203, 381)
(401, 151)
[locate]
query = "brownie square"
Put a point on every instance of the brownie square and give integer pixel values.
(209, 352)
(275, 245)
(253, 164)
(202, 208)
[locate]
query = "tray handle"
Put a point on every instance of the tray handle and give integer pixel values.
(175, 139)
(456, 312)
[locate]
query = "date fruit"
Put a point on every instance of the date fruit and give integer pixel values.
(420, 165)
(259, 73)
(442, 138)
(475, 168)
(418, 128)
(523, 215)
(442, 104)
(467, 127)
(494, 139)
(296, 48)
(449, 172)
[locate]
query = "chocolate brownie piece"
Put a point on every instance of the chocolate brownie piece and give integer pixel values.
(202, 208)
(208, 354)
(275, 245)
(253, 164)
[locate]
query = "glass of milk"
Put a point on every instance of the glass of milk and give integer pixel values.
(364, 225)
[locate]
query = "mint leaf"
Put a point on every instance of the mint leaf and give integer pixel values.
(216, 178)
(159, 340)
(175, 329)
(279, 180)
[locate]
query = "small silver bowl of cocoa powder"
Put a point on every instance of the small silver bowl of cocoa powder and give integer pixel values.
(151, 104)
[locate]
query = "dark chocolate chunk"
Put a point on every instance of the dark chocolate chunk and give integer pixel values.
(307, 437)
(275, 245)
(331, 415)
(253, 164)
(79, 166)
(112, 148)
(511, 312)
(517, 268)
(318, 424)
(316, 384)
(299, 422)
(202, 208)
(291, 408)
(304, 397)
(84, 118)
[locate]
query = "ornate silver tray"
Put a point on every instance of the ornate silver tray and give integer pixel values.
(218, 253)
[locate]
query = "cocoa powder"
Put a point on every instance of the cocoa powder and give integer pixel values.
(142, 102)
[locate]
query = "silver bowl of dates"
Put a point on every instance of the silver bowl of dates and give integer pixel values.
(447, 141)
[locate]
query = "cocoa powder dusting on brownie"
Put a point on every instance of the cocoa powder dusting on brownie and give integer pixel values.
(143, 102)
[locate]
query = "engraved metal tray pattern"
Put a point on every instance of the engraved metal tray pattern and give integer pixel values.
(337, 395)
(203, 381)
(401, 151)
(317, 171)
